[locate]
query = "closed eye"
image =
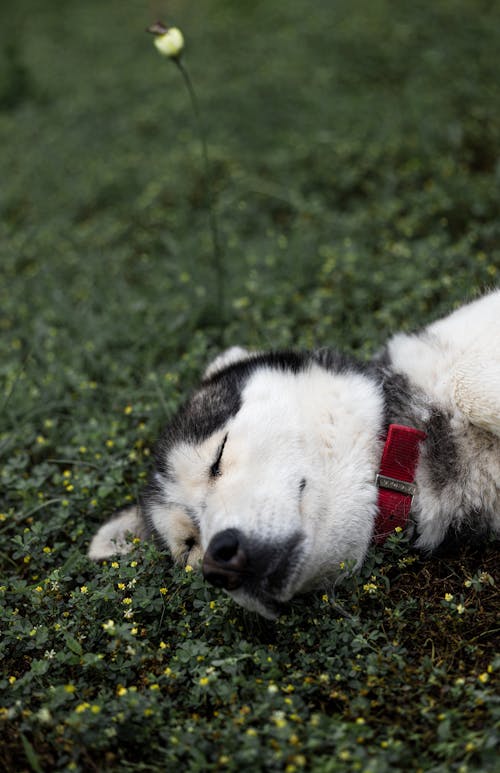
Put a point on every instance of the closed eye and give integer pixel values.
(215, 467)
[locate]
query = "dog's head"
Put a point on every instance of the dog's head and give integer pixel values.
(266, 475)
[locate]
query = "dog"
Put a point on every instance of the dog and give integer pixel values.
(283, 467)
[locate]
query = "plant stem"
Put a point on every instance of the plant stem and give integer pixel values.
(217, 253)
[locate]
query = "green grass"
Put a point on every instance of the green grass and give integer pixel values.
(355, 161)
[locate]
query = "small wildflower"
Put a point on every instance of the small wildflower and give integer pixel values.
(128, 410)
(128, 614)
(204, 681)
(483, 678)
(110, 443)
(188, 568)
(398, 529)
(133, 631)
(448, 596)
(133, 564)
(39, 589)
(69, 688)
(109, 626)
(115, 564)
(460, 609)
(163, 591)
(154, 686)
(121, 586)
(12, 679)
(163, 646)
(82, 707)
(84, 589)
(121, 691)
(49, 654)
(46, 549)
(169, 42)
(324, 598)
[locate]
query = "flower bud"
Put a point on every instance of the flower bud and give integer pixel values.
(169, 41)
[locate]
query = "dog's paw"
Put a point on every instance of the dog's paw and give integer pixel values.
(113, 537)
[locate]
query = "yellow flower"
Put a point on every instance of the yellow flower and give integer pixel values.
(12, 679)
(163, 591)
(127, 600)
(115, 565)
(483, 678)
(69, 688)
(121, 586)
(204, 681)
(169, 42)
(84, 589)
(121, 691)
(448, 597)
(128, 410)
(188, 568)
(82, 707)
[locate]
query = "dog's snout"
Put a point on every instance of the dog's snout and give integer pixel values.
(225, 560)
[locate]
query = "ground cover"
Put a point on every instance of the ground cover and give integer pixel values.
(355, 163)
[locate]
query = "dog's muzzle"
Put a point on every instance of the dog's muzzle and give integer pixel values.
(235, 561)
(225, 561)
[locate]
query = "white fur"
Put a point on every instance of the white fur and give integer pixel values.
(114, 536)
(324, 428)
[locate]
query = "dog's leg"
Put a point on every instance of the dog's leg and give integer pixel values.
(111, 539)
(476, 388)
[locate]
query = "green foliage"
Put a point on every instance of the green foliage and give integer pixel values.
(354, 154)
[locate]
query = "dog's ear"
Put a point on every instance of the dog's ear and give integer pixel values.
(113, 537)
(227, 357)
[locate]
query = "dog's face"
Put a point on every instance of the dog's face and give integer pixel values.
(266, 475)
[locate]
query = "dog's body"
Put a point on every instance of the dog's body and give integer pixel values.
(267, 474)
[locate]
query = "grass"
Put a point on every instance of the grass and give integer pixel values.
(354, 156)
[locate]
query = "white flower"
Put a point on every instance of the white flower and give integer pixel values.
(169, 41)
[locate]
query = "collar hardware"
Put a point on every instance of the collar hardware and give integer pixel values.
(393, 484)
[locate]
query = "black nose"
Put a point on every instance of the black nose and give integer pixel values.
(225, 560)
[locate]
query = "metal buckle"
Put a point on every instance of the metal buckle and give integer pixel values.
(393, 484)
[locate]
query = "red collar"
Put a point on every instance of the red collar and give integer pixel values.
(396, 479)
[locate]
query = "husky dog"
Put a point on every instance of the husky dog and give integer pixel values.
(272, 475)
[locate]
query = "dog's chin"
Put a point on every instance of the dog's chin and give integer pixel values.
(264, 605)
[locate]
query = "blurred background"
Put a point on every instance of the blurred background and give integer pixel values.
(354, 154)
